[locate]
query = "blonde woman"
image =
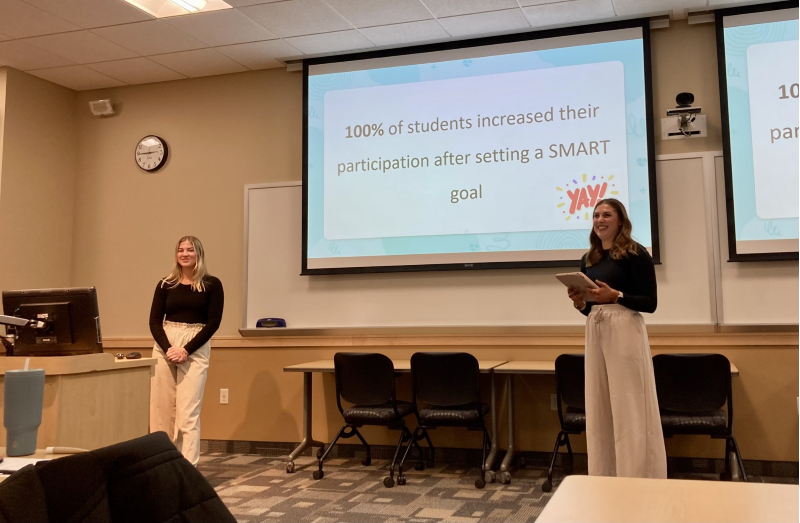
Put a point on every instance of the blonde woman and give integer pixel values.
(623, 426)
(186, 312)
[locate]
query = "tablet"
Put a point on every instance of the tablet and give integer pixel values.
(580, 280)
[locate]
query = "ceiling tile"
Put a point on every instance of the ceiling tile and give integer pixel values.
(201, 62)
(260, 55)
(24, 57)
(653, 7)
(442, 8)
(297, 17)
(92, 13)
(81, 47)
(330, 42)
(411, 33)
(221, 28)
(136, 71)
(77, 77)
(565, 13)
(369, 13)
(20, 20)
(149, 38)
(485, 23)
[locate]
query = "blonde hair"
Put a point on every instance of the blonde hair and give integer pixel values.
(199, 272)
(623, 245)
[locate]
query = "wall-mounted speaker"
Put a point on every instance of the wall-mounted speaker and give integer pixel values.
(101, 107)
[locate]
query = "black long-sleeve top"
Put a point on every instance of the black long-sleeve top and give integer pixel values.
(182, 304)
(634, 276)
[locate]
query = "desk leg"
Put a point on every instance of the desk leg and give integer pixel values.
(505, 466)
(307, 439)
(489, 474)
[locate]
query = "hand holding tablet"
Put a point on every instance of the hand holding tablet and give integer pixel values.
(580, 281)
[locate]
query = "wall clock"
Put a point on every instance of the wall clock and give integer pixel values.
(151, 153)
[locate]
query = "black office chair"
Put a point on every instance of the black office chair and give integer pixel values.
(692, 389)
(367, 381)
(570, 390)
(449, 384)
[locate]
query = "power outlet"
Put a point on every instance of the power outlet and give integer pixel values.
(553, 402)
(223, 396)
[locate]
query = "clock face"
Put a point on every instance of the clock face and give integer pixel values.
(151, 153)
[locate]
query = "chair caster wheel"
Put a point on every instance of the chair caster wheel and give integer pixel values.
(725, 476)
(401, 480)
(489, 476)
(547, 486)
(479, 483)
(388, 482)
(290, 467)
(505, 478)
(318, 474)
(419, 466)
(366, 462)
(320, 452)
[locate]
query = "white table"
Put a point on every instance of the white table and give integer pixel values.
(486, 367)
(597, 499)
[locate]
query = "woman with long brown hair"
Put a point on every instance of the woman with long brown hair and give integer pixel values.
(186, 312)
(623, 425)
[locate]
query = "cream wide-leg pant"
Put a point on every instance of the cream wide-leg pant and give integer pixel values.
(176, 391)
(623, 425)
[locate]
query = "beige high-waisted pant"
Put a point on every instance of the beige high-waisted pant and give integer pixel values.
(623, 426)
(176, 391)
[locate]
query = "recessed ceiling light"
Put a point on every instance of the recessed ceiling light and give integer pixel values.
(167, 8)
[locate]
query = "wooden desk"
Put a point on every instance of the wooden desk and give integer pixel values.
(90, 401)
(540, 367)
(597, 499)
(399, 366)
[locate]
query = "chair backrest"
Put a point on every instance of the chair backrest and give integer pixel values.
(692, 382)
(364, 378)
(570, 380)
(446, 379)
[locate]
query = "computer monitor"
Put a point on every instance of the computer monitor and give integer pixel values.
(70, 318)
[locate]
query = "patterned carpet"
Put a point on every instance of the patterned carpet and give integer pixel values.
(257, 488)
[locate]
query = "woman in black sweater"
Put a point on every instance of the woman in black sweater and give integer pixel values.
(186, 312)
(623, 425)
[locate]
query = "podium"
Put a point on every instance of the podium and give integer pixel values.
(90, 401)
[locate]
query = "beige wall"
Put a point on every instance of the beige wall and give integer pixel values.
(37, 180)
(223, 132)
(104, 222)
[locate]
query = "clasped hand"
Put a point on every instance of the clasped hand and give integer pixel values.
(177, 355)
(604, 294)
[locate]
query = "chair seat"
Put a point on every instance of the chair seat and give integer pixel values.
(575, 419)
(693, 422)
(377, 414)
(457, 416)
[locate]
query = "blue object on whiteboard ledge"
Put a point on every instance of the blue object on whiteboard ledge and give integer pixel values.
(270, 322)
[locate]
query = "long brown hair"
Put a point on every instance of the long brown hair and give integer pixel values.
(199, 272)
(623, 243)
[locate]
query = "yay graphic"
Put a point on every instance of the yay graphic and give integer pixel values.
(581, 197)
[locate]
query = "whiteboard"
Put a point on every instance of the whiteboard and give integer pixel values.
(509, 297)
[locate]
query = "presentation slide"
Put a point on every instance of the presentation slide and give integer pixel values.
(761, 64)
(478, 155)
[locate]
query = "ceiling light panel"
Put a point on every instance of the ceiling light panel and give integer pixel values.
(168, 8)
